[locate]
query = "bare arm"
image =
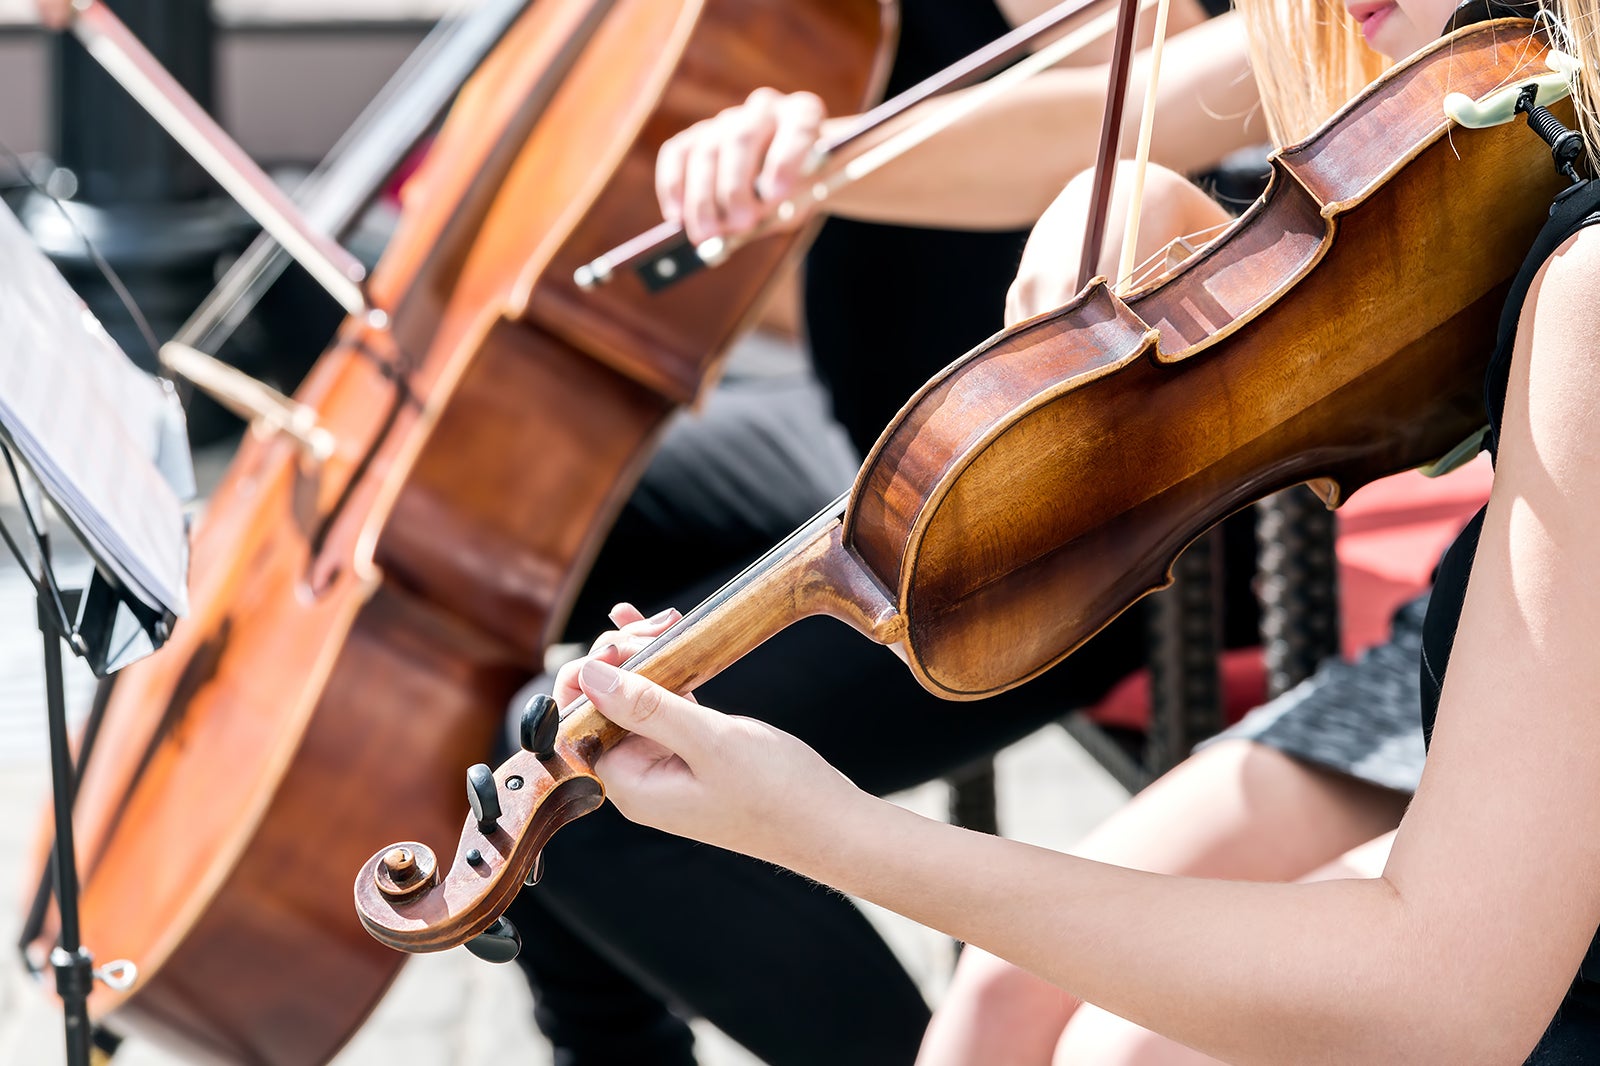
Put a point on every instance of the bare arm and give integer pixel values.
(997, 168)
(1000, 167)
(1492, 892)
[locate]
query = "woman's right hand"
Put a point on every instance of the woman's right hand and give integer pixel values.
(718, 176)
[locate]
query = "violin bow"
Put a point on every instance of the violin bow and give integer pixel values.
(1141, 156)
(1105, 167)
(663, 255)
(975, 98)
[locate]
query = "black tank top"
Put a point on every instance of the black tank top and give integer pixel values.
(888, 306)
(1579, 208)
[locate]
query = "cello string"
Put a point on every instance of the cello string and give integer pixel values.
(397, 117)
(150, 84)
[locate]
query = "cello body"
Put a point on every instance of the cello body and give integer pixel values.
(1337, 332)
(359, 624)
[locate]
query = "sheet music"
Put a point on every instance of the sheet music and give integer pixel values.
(91, 426)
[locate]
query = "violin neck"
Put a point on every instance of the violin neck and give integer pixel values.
(810, 573)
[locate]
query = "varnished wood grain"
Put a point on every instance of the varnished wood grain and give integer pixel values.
(1338, 331)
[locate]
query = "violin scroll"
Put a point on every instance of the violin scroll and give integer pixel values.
(407, 901)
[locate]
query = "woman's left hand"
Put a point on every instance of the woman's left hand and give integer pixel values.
(730, 781)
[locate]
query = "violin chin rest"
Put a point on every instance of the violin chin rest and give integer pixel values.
(1500, 106)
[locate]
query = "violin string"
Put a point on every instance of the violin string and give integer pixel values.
(1144, 270)
(129, 304)
(697, 613)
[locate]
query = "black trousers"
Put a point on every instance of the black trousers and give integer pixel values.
(631, 929)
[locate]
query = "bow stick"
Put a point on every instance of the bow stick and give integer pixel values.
(663, 255)
(1141, 158)
(116, 49)
(880, 155)
(1105, 167)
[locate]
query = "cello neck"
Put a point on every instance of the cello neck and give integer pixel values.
(809, 573)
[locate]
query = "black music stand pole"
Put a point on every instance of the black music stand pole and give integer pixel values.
(104, 444)
(73, 965)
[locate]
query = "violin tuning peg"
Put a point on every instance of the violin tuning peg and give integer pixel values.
(540, 723)
(499, 943)
(483, 795)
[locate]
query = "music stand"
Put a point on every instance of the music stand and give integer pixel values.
(104, 443)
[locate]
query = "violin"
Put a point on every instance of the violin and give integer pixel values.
(1336, 333)
(363, 610)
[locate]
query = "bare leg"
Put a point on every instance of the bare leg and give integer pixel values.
(1237, 809)
(1102, 1039)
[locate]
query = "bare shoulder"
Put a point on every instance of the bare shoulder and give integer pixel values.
(1572, 274)
(1554, 392)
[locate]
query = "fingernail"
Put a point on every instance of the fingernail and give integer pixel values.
(657, 619)
(598, 676)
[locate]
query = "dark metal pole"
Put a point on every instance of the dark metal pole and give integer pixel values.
(73, 966)
(116, 151)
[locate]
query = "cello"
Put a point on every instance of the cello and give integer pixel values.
(484, 428)
(1337, 332)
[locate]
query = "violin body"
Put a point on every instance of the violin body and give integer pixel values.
(359, 624)
(1337, 332)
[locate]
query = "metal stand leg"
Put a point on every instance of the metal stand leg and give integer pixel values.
(73, 965)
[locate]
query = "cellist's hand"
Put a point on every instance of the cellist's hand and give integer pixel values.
(717, 176)
(733, 782)
(55, 13)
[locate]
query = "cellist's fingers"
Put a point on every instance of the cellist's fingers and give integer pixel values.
(55, 13)
(798, 129)
(670, 164)
(746, 134)
(700, 219)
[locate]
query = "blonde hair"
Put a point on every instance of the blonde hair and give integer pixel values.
(1575, 29)
(1309, 59)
